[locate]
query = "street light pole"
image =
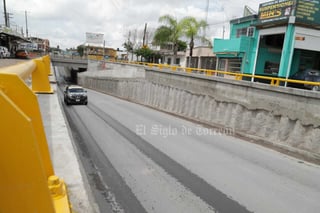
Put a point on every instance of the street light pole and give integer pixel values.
(26, 16)
(5, 13)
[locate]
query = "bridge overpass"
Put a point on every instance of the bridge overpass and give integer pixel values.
(76, 63)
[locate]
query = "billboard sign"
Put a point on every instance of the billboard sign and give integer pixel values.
(275, 11)
(94, 39)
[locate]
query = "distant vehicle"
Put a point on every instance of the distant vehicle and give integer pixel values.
(307, 75)
(74, 94)
(4, 52)
(22, 54)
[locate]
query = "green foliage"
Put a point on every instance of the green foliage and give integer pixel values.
(182, 45)
(170, 32)
(191, 29)
(173, 30)
(128, 45)
(80, 50)
(162, 35)
(147, 54)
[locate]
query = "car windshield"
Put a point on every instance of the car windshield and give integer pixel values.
(76, 90)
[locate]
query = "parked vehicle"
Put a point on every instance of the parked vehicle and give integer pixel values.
(22, 54)
(307, 75)
(313, 75)
(74, 94)
(4, 52)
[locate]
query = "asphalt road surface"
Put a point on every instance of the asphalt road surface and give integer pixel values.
(141, 160)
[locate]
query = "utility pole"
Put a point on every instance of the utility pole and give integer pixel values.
(223, 30)
(144, 35)
(207, 11)
(5, 13)
(26, 16)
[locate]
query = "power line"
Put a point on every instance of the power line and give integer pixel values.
(219, 23)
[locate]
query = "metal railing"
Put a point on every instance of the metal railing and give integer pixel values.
(274, 81)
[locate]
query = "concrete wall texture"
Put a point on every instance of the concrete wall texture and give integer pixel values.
(285, 117)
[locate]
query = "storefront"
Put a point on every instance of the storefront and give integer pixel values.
(289, 37)
(286, 39)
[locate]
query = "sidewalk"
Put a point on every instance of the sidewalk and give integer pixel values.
(63, 152)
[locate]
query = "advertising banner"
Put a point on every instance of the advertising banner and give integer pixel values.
(94, 39)
(307, 12)
(275, 11)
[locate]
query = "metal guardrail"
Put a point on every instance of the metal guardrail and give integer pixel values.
(274, 81)
(27, 180)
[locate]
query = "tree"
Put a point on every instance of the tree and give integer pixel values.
(80, 50)
(191, 29)
(170, 32)
(145, 53)
(182, 45)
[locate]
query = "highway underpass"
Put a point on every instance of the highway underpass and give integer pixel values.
(138, 159)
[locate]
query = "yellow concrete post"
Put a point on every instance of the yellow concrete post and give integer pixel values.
(189, 70)
(275, 82)
(59, 195)
(46, 60)
(26, 179)
(23, 182)
(238, 77)
(174, 68)
(27, 102)
(40, 80)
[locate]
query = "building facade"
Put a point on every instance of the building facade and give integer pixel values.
(282, 39)
(202, 57)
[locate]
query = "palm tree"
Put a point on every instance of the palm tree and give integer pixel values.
(170, 32)
(191, 29)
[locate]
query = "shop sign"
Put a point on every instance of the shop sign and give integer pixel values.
(278, 10)
(307, 12)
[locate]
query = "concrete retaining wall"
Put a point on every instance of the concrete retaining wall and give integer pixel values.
(285, 117)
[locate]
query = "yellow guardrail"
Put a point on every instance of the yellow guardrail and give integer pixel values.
(274, 81)
(27, 179)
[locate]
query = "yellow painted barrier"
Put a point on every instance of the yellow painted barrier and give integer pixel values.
(174, 68)
(26, 170)
(188, 70)
(59, 194)
(275, 82)
(40, 80)
(36, 69)
(23, 180)
(46, 60)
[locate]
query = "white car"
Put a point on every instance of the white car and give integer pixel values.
(4, 52)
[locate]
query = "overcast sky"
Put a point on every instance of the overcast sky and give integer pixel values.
(65, 22)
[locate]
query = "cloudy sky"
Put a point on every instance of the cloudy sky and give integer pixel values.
(65, 22)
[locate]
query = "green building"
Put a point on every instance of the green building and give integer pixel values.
(283, 38)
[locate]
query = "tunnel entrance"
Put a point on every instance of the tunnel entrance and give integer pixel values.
(74, 75)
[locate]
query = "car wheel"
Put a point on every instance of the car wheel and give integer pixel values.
(66, 101)
(315, 88)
